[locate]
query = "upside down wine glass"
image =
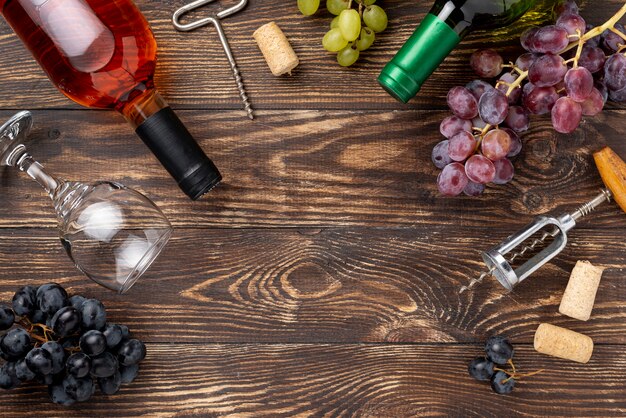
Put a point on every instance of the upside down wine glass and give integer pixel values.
(111, 233)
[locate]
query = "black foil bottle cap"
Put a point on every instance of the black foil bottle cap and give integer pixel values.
(170, 141)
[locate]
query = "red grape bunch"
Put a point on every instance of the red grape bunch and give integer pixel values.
(570, 69)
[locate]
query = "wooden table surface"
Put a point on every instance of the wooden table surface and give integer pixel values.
(321, 277)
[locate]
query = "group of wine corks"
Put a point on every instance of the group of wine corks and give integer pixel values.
(276, 49)
(577, 303)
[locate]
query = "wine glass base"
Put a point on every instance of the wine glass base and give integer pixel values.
(13, 135)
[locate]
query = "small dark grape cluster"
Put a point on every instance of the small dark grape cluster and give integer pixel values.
(498, 353)
(66, 343)
(569, 71)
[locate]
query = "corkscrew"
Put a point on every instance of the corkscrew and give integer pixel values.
(215, 20)
(530, 245)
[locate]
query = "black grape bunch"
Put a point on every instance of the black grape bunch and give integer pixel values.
(569, 71)
(65, 343)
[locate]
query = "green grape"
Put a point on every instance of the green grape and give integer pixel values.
(366, 39)
(334, 41)
(368, 2)
(375, 18)
(337, 6)
(348, 56)
(350, 24)
(334, 23)
(308, 7)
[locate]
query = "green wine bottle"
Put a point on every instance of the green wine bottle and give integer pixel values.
(442, 29)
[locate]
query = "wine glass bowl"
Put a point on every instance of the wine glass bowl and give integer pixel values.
(112, 233)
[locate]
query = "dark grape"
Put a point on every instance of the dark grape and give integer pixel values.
(593, 104)
(499, 349)
(7, 317)
(461, 146)
(93, 315)
(566, 115)
(618, 95)
(572, 23)
(129, 373)
(66, 321)
(504, 171)
(578, 83)
(462, 103)
(540, 100)
(481, 369)
(38, 317)
(58, 355)
(503, 85)
(23, 373)
(615, 72)
(15, 344)
(478, 88)
(611, 41)
(502, 383)
(592, 58)
(493, 107)
(93, 343)
(478, 123)
(59, 396)
(547, 70)
(604, 91)
(568, 6)
(110, 385)
(440, 155)
(524, 61)
(486, 63)
(480, 169)
(517, 119)
(76, 301)
(113, 334)
(474, 189)
(452, 180)
(496, 144)
(25, 301)
(50, 298)
(39, 361)
(528, 39)
(8, 376)
(516, 142)
(133, 351)
(104, 365)
(78, 364)
(79, 389)
(550, 39)
(452, 125)
(125, 331)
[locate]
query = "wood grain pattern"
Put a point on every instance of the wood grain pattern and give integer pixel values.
(316, 168)
(193, 72)
(347, 380)
(339, 286)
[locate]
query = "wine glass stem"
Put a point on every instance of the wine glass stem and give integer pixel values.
(27, 164)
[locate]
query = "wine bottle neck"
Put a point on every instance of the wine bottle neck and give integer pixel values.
(138, 110)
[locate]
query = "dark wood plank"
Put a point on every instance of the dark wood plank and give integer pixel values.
(364, 285)
(193, 72)
(317, 169)
(354, 380)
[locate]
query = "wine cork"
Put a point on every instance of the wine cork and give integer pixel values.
(276, 49)
(580, 294)
(563, 343)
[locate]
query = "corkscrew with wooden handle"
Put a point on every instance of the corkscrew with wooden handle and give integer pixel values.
(524, 252)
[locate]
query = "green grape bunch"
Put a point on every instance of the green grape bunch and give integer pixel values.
(353, 29)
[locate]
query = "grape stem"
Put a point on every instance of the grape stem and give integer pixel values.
(599, 30)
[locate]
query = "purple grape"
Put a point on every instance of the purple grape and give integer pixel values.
(592, 58)
(517, 119)
(547, 70)
(618, 95)
(550, 39)
(566, 115)
(615, 72)
(462, 103)
(496, 144)
(440, 155)
(572, 23)
(516, 143)
(593, 104)
(503, 86)
(480, 169)
(478, 123)
(493, 107)
(473, 189)
(487, 63)
(540, 100)
(524, 61)
(478, 88)
(566, 7)
(452, 125)
(602, 89)
(504, 171)
(578, 83)
(461, 146)
(452, 180)
(528, 38)
(611, 40)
